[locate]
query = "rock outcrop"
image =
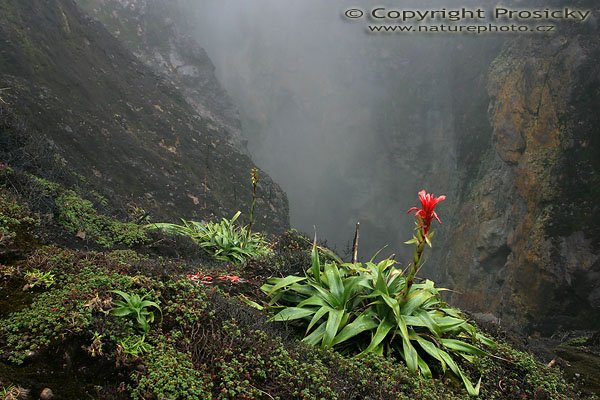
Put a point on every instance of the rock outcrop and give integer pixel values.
(527, 242)
(156, 32)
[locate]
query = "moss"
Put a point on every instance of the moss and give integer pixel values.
(17, 223)
(519, 375)
(126, 256)
(45, 186)
(79, 215)
(170, 374)
(64, 311)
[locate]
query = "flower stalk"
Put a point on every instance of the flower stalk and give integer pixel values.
(254, 176)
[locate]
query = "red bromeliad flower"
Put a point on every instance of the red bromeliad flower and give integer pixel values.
(426, 213)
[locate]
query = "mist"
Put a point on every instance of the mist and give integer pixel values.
(351, 124)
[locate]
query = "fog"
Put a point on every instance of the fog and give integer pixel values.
(351, 124)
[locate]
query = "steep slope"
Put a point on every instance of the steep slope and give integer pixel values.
(120, 126)
(155, 31)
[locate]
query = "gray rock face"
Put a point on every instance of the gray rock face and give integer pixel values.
(155, 31)
(528, 244)
(81, 102)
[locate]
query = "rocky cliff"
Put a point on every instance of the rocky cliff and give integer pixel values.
(157, 33)
(526, 247)
(75, 99)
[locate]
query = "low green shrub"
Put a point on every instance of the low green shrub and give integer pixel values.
(78, 215)
(15, 221)
(170, 374)
(65, 310)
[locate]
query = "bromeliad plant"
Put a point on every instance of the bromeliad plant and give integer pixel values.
(225, 240)
(377, 308)
(136, 307)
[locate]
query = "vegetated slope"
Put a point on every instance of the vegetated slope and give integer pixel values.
(60, 328)
(115, 123)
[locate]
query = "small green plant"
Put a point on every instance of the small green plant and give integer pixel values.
(12, 392)
(225, 240)
(135, 345)
(95, 348)
(137, 307)
(39, 278)
(63, 311)
(377, 308)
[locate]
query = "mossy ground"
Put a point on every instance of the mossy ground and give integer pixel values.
(207, 343)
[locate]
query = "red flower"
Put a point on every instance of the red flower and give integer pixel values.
(426, 213)
(200, 278)
(230, 278)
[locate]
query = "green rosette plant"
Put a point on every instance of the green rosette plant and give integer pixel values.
(137, 308)
(375, 307)
(225, 240)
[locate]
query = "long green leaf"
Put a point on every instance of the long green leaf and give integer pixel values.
(380, 283)
(312, 301)
(424, 368)
(148, 303)
(291, 313)
(122, 311)
(124, 295)
(363, 323)
(408, 351)
(447, 324)
(333, 326)
(317, 336)
(352, 286)
(320, 313)
(472, 391)
(392, 303)
(382, 330)
(485, 340)
(428, 321)
(327, 296)
(415, 300)
(431, 349)
(335, 282)
(283, 282)
(463, 347)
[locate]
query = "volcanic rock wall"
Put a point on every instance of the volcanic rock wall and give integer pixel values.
(526, 245)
